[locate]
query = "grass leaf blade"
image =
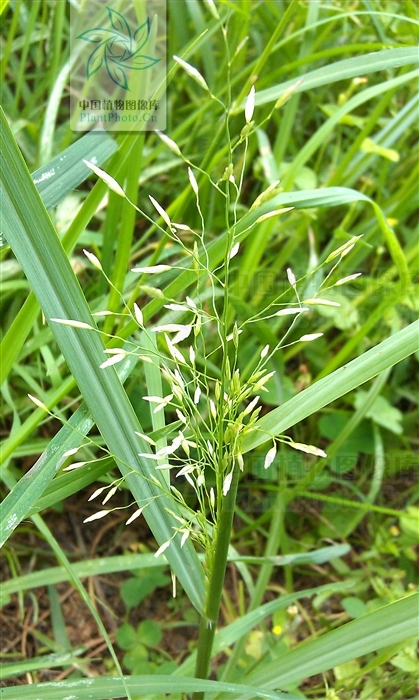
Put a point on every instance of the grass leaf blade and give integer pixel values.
(36, 245)
(340, 382)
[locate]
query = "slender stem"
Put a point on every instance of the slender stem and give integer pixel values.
(215, 588)
(225, 505)
(271, 549)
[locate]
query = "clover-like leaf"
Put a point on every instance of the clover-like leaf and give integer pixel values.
(96, 35)
(141, 35)
(95, 61)
(116, 73)
(119, 23)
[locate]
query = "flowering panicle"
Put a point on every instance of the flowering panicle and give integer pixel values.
(201, 406)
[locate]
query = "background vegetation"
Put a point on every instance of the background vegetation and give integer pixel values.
(324, 549)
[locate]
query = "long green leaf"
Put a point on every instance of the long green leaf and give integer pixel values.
(37, 247)
(332, 197)
(342, 70)
(340, 382)
(388, 625)
(88, 567)
(306, 199)
(129, 562)
(31, 486)
(239, 628)
(84, 595)
(65, 172)
(139, 686)
(53, 182)
(64, 659)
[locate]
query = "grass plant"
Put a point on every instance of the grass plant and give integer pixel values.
(188, 319)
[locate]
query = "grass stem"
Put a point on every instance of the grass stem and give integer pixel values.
(209, 621)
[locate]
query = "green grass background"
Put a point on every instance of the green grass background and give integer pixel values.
(344, 147)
